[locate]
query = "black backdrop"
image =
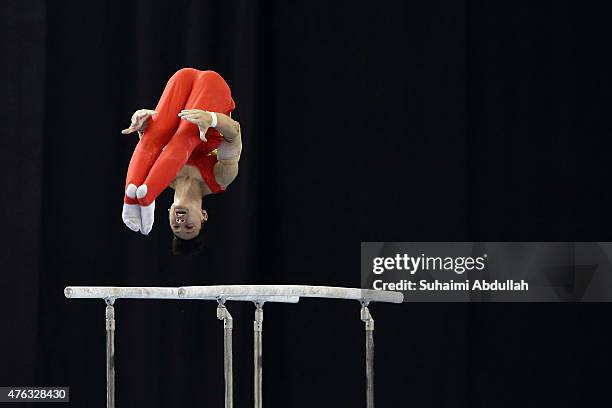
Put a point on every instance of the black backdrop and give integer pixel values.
(362, 121)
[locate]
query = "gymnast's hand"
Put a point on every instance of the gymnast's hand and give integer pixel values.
(139, 121)
(198, 117)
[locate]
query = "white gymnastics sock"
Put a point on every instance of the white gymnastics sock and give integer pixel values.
(141, 192)
(148, 216)
(130, 191)
(131, 216)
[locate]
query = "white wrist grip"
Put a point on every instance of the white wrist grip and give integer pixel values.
(214, 121)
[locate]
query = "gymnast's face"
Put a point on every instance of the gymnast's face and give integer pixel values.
(186, 220)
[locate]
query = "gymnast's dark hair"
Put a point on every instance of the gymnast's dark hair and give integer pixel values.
(188, 246)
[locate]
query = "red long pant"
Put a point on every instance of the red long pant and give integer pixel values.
(168, 140)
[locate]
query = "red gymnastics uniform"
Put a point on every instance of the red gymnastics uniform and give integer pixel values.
(170, 142)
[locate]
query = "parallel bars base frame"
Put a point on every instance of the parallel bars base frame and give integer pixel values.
(258, 294)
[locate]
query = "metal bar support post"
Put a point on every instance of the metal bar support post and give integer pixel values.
(367, 318)
(110, 353)
(228, 325)
(257, 355)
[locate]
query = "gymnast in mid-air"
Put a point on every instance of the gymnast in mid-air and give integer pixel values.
(189, 143)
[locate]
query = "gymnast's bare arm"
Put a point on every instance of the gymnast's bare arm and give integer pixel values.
(228, 152)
